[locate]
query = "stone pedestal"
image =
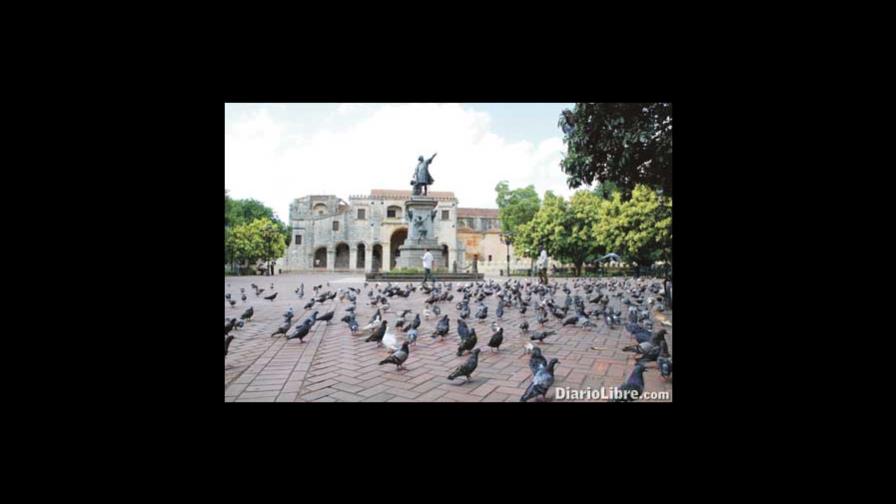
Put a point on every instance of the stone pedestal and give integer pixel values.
(419, 213)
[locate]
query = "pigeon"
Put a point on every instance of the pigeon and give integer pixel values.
(664, 361)
(390, 341)
(247, 315)
(415, 324)
(239, 324)
(326, 317)
(412, 336)
(311, 319)
(227, 296)
(436, 310)
(524, 326)
(468, 343)
(271, 297)
(300, 331)
(378, 334)
(482, 312)
(640, 334)
(228, 326)
(528, 348)
(572, 320)
(289, 313)
(227, 341)
(309, 304)
(633, 387)
(243, 297)
(284, 327)
(541, 335)
(541, 382)
(462, 329)
(499, 312)
(537, 361)
(442, 327)
(466, 368)
(496, 339)
(398, 357)
(353, 326)
(258, 291)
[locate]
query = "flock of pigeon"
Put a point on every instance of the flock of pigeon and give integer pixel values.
(643, 299)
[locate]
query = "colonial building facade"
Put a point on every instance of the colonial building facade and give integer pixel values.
(365, 233)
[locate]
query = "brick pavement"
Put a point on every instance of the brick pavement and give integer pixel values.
(332, 365)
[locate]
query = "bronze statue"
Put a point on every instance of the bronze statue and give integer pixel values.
(422, 176)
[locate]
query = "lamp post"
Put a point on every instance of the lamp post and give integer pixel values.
(507, 239)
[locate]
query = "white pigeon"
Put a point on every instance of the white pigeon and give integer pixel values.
(390, 341)
(529, 347)
(426, 313)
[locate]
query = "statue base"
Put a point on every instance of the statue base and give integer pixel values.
(411, 252)
(411, 255)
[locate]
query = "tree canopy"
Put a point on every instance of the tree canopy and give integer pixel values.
(628, 143)
(580, 231)
(515, 207)
(252, 231)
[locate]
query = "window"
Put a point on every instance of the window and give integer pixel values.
(489, 258)
(335, 225)
(445, 214)
(390, 213)
(393, 212)
(298, 239)
(362, 214)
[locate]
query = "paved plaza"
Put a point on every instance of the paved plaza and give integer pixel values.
(333, 365)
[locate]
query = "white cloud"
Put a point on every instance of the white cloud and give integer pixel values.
(263, 159)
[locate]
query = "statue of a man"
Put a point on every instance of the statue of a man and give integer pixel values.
(422, 176)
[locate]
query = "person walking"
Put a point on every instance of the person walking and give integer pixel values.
(427, 266)
(543, 266)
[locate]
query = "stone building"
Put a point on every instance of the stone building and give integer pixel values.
(365, 233)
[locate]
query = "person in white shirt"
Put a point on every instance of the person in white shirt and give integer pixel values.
(542, 266)
(427, 266)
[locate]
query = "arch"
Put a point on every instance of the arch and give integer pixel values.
(342, 256)
(445, 255)
(377, 263)
(362, 252)
(320, 258)
(396, 240)
(319, 209)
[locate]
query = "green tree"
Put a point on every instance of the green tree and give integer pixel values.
(639, 229)
(566, 229)
(545, 228)
(628, 143)
(244, 211)
(255, 241)
(606, 189)
(515, 207)
(580, 246)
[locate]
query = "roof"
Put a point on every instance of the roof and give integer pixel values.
(406, 194)
(489, 213)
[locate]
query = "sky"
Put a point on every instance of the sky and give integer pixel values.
(278, 152)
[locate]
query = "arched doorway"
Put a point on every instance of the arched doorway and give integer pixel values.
(377, 257)
(341, 256)
(445, 256)
(397, 240)
(320, 258)
(362, 250)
